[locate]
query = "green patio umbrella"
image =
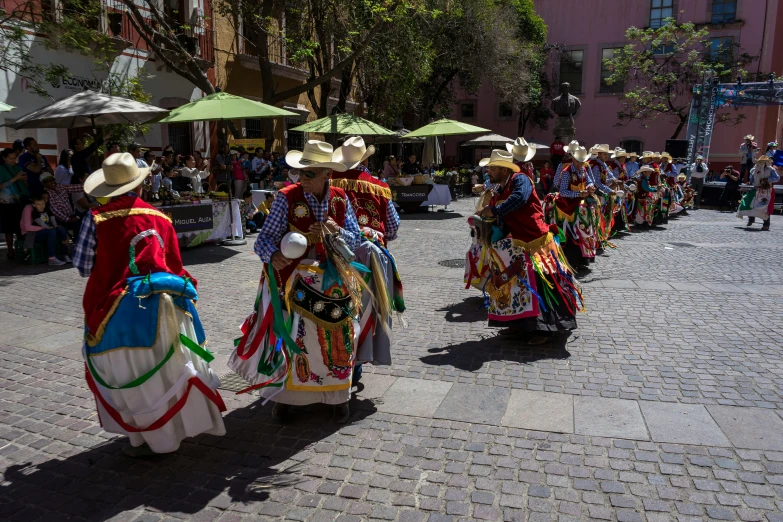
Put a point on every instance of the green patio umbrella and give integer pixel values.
(446, 127)
(5, 107)
(344, 123)
(223, 106)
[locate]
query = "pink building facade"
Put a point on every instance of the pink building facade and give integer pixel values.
(591, 31)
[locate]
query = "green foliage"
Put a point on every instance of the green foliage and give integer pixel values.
(659, 68)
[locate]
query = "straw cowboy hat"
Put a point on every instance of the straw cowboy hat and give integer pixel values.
(750, 137)
(620, 153)
(681, 177)
(603, 147)
(574, 145)
(645, 169)
(633, 155)
(581, 155)
(500, 158)
(353, 152)
(648, 154)
(764, 158)
(119, 174)
(667, 156)
(521, 150)
(316, 154)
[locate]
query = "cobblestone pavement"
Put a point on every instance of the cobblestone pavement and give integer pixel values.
(680, 317)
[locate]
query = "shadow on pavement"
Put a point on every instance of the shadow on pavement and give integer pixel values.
(471, 355)
(207, 254)
(471, 310)
(431, 216)
(248, 465)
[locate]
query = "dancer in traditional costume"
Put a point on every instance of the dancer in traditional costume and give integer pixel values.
(145, 360)
(687, 193)
(759, 202)
(645, 197)
(604, 180)
(372, 203)
(520, 267)
(299, 345)
(573, 210)
(564, 164)
(632, 164)
(624, 199)
(523, 152)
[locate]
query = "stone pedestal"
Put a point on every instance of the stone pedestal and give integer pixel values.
(564, 127)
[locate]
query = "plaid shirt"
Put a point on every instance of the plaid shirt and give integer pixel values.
(60, 200)
(565, 181)
(87, 244)
(596, 176)
(276, 225)
(392, 222)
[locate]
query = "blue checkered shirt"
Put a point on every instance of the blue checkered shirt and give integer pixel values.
(87, 244)
(276, 225)
(596, 176)
(565, 181)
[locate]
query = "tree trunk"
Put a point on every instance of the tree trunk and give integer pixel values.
(346, 79)
(683, 121)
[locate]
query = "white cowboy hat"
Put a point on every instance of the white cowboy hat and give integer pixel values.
(119, 174)
(620, 153)
(581, 155)
(521, 150)
(648, 154)
(699, 157)
(500, 158)
(645, 169)
(353, 152)
(603, 147)
(667, 156)
(315, 154)
(750, 137)
(572, 146)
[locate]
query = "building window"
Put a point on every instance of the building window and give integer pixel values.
(724, 11)
(660, 10)
(295, 140)
(722, 49)
(467, 111)
(571, 63)
(606, 72)
(180, 137)
(253, 129)
(505, 111)
(632, 146)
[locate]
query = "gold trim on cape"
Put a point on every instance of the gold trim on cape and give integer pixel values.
(358, 185)
(105, 216)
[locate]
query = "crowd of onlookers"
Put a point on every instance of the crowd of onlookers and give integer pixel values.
(44, 205)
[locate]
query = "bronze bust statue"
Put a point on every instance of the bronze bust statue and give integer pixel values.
(566, 105)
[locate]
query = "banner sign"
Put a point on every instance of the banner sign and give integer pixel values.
(250, 144)
(187, 218)
(411, 193)
(709, 97)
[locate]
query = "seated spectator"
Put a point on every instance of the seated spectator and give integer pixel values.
(254, 217)
(202, 163)
(82, 202)
(40, 227)
(13, 196)
(156, 175)
(63, 173)
(60, 202)
(135, 150)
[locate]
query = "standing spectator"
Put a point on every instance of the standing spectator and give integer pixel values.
(546, 174)
(556, 151)
(771, 148)
(60, 201)
(238, 174)
(18, 147)
(730, 194)
(79, 161)
(698, 173)
(135, 150)
(39, 227)
(13, 193)
(112, 148)
(259, 167)
(63, 173)
(191, 172)
(221, 169)
(746, 157)
(33, 163)
(155, 171)
(202, 163)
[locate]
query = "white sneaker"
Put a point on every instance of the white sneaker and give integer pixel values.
(56, 262)
(68, 259)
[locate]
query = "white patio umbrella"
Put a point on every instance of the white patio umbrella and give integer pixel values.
(89, 109)
(490, 140)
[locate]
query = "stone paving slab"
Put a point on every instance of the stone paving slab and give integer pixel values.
(750, 428)
(603, 417)
(682, 424)
(415, 397)
(540, 411)
(470, 403)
